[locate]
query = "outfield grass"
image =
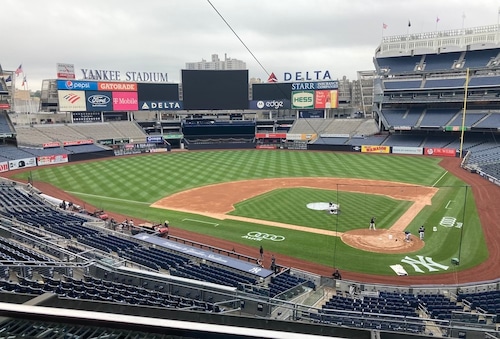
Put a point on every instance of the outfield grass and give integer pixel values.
(129, 185)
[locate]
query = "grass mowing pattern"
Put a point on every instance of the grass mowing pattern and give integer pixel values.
(128, 185)
(289, 206)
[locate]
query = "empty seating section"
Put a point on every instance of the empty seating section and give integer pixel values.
(480, 58)
(12, 153)
(445, 83)
(438, 117)
(438, 306)
(488, 301)
(285, 282)
(4, 123)
(129, 129)
(438, 140)
(334, 126)
(402, 117)
(33, 136)
(91, 288)
(486, 156)
(107, 243)
(213, 274)
(11, 196)
(370, 140)
(60, 132)
(445, 61)
(366, 127)
(470, 119)
(12, 251)
(402, 64)
(491, 121)
(98, 131)
(331, 141)
(84, 148)
(301, 126)
(484, 81)
(38, 152)
(154, 258)
(406, 84)
(404, 140)
(372, 312)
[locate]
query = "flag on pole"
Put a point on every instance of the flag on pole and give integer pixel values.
(9, 79)
(24, 81)
(409, 23)
(437, 19)
(384, 25)
(19, 70)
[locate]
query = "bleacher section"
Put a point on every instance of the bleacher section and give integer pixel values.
(443, 61)
(351, 127)
(5, 126)
(438, 117)
(403, 64)
(37, 135)
(481, 58)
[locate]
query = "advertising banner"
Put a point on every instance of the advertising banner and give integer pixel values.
(154, 139)
(375, 149)
(71, 101)
(51, 144)
(322, 99)
(117, 86)
(320, 85)
(77, 85)
(160, 105)
(266, 146)
(303, 99)
(125, 101)
(270, 104)
(173, 136)
(52, 159)
(4, 106)
(22, 163)
(4, 166)
(407, 150)
(270, 135)
(99, 101)
(441, 152)
(65, 71)
(78, 142)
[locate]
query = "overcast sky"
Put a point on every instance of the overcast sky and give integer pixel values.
(339, 36)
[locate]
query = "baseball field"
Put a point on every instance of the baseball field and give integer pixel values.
(277, 199)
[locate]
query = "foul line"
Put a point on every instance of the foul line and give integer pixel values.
(110, 198)
(441, 177)
(203, 222)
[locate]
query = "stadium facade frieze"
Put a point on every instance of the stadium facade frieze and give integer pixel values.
(114, 75)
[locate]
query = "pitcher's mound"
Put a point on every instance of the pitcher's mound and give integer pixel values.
(381, 241)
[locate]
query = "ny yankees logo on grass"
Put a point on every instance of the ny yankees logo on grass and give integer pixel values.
(426, 262)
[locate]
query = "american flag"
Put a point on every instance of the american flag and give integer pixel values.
(19, 70)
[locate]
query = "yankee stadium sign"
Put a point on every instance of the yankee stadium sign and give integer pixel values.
(109, 75)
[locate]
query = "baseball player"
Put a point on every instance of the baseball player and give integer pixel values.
(372, 223)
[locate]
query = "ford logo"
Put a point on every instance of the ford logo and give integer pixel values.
(99, 100)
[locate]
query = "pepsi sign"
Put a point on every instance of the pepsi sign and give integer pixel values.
(77, 85)
(98, 101)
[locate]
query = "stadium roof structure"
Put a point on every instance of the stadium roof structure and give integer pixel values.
(481, 37)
